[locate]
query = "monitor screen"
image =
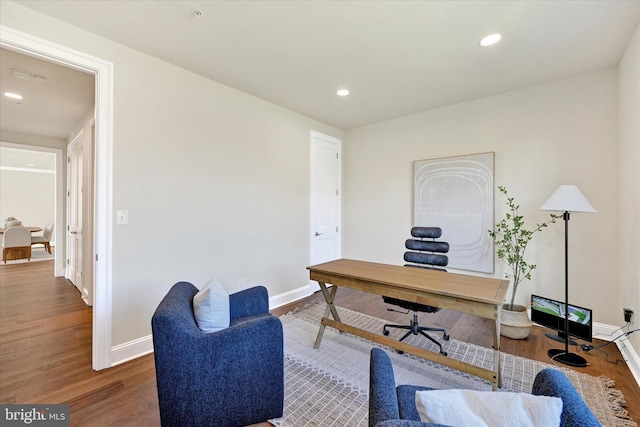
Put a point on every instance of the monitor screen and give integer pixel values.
(550, 313)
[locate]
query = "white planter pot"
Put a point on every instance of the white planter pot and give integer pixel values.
(515, 324)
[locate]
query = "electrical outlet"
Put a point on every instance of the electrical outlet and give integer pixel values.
(628, 314)
(122, 217)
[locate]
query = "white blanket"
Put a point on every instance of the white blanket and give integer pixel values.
(469, 408)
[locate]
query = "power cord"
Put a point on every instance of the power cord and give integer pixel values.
(588, 347)
(619, 329)
(608, 360)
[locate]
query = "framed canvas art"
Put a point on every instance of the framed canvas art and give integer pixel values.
(456, 194)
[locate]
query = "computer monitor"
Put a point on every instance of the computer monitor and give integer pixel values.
(550, 313)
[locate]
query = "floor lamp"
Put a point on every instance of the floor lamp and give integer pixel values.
(567, 198)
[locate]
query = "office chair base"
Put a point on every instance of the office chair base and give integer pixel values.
(415, 329)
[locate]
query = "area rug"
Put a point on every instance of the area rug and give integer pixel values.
(37, 254)
(329, 386)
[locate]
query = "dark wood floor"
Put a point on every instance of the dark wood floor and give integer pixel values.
(45, 351)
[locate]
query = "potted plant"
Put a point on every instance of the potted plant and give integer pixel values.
(11, 222)
(511, 238)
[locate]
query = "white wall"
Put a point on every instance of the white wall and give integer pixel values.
(215, 181)
(563, 132)
(629, 172)
(28, 196)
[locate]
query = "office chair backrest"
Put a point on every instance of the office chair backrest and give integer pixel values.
(430, 252)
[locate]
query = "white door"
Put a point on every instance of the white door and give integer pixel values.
(326, 195)
(74, 209)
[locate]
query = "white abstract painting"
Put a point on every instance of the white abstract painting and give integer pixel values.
(456, 194)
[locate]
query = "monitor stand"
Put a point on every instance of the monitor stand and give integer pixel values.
(560, 337)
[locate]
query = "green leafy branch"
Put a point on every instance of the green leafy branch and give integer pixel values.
(511, 238)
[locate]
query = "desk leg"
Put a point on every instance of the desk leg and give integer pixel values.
(328, 296)
(496, 353)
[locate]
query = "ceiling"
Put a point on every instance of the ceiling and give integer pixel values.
(396, 57)
(55, 98)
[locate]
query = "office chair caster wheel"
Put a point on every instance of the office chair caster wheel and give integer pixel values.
(446, 338)
(385, 332)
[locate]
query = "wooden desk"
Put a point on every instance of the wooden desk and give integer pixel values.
(31, 229)
(475, 295)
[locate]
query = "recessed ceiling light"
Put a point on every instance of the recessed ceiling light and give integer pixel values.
(343, 92)
(30, 165)
(490, 40)
(12, 95)
(20, 74)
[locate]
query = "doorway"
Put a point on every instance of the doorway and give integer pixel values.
(32, 153)
(102, 249)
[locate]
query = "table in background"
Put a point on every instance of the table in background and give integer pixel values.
(31, 229)
(480, 296)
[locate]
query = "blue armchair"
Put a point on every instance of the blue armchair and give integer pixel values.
(232, 377)
(395, 407)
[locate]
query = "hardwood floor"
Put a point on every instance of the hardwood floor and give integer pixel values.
(45, 354)
(45, 350)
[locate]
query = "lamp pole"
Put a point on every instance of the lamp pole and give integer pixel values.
(565, 199)
(566, 218)
(564, 356)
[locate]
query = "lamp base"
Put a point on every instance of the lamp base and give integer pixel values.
(560, 338)
(570, 359)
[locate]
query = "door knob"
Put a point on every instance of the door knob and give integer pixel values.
(318, 234)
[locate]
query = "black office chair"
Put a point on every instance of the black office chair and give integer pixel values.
(427, 254)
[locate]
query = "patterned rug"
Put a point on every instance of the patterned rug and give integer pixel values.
(329, 386)
(38, 253)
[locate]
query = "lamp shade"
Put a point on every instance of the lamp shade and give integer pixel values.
(567, 198)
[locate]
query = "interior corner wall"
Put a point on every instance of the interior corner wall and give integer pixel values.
(562, 132)
(629, 221)
(215, 181)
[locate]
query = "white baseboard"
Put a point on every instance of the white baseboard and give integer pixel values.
(289, 297)
(605, 332)
(122, 353)
(629, 354)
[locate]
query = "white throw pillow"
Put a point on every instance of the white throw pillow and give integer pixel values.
(211, 307)
(462, 408)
